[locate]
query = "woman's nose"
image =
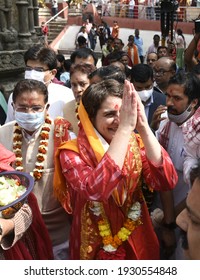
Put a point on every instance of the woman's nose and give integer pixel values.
(116, 118)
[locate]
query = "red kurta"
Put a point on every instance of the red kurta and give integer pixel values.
(89, 180)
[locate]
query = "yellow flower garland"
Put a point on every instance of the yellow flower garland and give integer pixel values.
(42, 149)
(111, 243)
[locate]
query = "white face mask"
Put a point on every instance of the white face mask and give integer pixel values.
(34, 75)
(181, 118)
(30, 121)
(145, 94)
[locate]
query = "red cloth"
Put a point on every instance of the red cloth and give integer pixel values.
(35, 244)
(6, 158)
(89, 180)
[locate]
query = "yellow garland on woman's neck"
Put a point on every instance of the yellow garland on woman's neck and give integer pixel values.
(110, 242)
(42, 149)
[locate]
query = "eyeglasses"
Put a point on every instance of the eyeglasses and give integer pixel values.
(26, 109)
(160, 72)
(39, 69)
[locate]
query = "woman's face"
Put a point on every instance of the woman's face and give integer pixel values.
(79, 83)
(107, 118)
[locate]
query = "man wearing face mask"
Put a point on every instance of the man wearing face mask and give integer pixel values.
(182, 100)
(142, 79)
(32, 139)
(41, 64)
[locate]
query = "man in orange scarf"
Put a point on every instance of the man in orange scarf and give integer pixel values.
(132, 50)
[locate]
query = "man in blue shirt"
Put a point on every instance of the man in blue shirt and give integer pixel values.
(139, 43)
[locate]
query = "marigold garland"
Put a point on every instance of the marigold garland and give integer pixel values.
(111, 243)
(42, 149)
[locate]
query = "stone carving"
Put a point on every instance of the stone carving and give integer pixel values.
(8, 35)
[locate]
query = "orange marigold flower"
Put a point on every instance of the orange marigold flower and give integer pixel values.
(101, 222)
(18, 154)
(117, 240)
(42, 150)
(107, 240)
(114, 244)
(129, 224)
(17, 138)
(39, 167)
(18, 131)
(40, 158)
(44, 135)
(46, 129)
(48, 121)
(37, 175)
(18, 163)
(44, 143)
(17, 146)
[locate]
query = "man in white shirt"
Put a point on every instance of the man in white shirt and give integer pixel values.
(41, 64)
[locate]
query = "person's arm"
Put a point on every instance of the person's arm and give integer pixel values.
(190, 159)
(13, 229)
(168, 224)
(189, 59)
(151, 144)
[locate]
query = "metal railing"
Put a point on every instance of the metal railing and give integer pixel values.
(141, 11)
(52, 18)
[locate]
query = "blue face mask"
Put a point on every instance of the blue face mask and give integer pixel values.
(30, 121)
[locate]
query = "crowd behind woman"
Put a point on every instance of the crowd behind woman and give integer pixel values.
(103, 174)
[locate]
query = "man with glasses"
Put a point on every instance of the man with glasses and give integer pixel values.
(41, 65)
(31, 137)
(164, 68)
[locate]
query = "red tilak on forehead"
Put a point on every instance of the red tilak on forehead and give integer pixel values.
(116, 107)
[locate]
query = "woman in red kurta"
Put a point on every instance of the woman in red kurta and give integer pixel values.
(104, 169)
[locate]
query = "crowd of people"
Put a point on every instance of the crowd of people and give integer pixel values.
(113, 149)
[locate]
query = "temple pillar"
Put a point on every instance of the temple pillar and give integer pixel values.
(24, 33)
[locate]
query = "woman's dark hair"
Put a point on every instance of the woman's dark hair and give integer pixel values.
(109, 72)
(82, 67)
(180, 32)
(28, 85)
(95, 94)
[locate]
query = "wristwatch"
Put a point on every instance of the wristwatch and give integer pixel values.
(1, 230)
